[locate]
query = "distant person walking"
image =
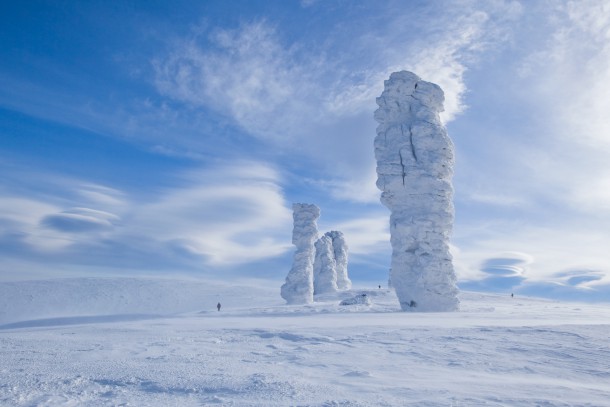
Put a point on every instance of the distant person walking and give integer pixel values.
(218, 306)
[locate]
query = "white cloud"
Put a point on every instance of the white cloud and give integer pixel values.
(245, 73)
(298, 98)
(366, 235)
(567, 80)
(498, 198)
(223, 215)
(546, 249)
(80, 220)
(24, 211)
(227, 215)
(95, 194)
(573, 72)
(546, 173)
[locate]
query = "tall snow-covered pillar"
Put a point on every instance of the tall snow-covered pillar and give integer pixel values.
(298, 288)
(414, 170)
(324, 267)
(340, 252)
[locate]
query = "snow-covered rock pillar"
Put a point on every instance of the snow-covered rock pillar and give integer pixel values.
(298, 288)
(324, 267)
(414, 170)
(340, 251)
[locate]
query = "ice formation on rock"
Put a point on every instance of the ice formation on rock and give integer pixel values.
(361, 299)
(340, 252)
(414, 169)
(324, 267)
(298, 288)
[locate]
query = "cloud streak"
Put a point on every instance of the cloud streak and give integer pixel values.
(293, 96)
(218, 216)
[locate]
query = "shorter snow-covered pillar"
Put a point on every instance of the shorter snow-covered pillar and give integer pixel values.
(298, 288)
(340, 253)
(324, 267)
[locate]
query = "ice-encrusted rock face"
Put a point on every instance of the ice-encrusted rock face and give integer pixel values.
(340, 252)
(361, 299)
(414, 170)
(324, 267)
(298, 288)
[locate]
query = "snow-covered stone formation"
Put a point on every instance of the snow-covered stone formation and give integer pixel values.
(361, 299)
(414, 170)
(324, 267)
(298, 288)
(340, 252)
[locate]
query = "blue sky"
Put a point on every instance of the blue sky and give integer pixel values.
(172, 138)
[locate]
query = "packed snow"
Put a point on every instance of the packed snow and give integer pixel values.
(414, 170)
(159, 342)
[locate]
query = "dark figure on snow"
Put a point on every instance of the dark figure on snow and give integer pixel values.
(218, 306)
(512, 295)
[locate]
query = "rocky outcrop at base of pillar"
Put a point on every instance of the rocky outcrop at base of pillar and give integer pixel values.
(298, 288)
(414, 169)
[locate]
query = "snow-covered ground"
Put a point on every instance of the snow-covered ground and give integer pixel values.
(147, 342)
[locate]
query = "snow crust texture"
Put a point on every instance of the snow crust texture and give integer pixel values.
(258, 352)
(414, 170)
(298, 288)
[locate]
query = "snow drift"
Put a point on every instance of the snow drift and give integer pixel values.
(498, 351)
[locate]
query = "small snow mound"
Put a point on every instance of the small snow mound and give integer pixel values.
(357, 373)
(361, 299)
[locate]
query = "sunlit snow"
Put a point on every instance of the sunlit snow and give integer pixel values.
(148, 342)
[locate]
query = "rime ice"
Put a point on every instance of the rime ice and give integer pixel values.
(414, 169)
(298, 288)
(340, 252)
(324, 267)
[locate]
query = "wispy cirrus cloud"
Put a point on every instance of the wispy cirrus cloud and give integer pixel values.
(568, 79)
(245, 73)
(297, 97)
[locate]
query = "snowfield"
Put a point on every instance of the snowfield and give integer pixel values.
(153, 342)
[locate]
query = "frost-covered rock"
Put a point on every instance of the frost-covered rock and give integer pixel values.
(298, 288)
(361, 299)
(414, 169)
(324, 267)
(340, 252)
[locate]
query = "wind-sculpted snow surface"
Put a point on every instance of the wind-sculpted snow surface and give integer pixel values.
(340, 252)
(414, 169)
(324, 267)
(298, 288)
(499, 351)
